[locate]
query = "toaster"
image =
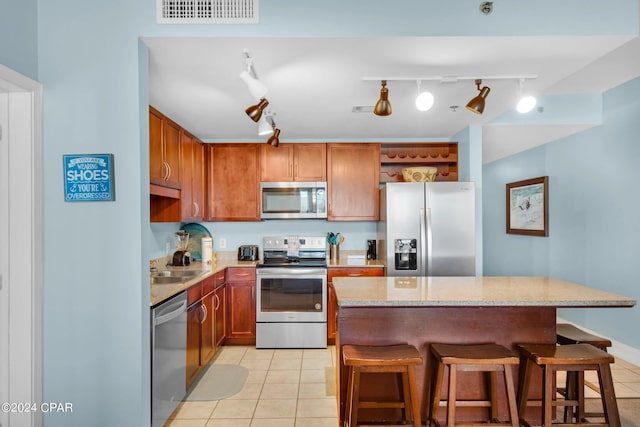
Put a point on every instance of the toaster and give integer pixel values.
(248, 253)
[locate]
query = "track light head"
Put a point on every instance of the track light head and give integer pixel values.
(255, 111)
(383, 106)
(476, 105)
(273, 139)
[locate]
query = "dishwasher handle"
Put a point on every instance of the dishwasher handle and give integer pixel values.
(181, 308)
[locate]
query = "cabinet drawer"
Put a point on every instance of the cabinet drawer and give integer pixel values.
(241, 274)
(194, 293)
(208, 285)
(219, 277)
(354, 272)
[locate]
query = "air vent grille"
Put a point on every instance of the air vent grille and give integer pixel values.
(207, 11)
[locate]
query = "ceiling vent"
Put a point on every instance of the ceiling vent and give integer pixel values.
(207, 11)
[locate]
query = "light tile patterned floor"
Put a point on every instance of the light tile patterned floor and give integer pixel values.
(287, 388)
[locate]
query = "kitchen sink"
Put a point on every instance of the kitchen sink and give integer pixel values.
(174, 276)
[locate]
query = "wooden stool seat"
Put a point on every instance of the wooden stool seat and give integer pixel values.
(382, 359)
(570, 358)
(489, 358)
(569, 334)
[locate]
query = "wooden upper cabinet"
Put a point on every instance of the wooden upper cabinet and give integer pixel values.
(164, 150)
(233, 182)
(353, 172)
(193, 178)
(293, 162)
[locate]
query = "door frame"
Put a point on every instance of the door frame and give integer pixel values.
(20, 246)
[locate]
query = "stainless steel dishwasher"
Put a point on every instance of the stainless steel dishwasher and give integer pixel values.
(168, 357)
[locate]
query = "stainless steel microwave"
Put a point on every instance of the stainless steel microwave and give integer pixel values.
(293, 200)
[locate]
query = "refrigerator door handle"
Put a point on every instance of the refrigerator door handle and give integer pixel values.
(428, 243)
(424, 235)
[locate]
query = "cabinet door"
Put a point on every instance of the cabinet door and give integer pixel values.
(171, 135)
(186, 148)
(353, 179)
(194, 313)
(207, 343)
(310, 162)
(242, 310)
(241, 299)
(157, 169)
(193, 180)
(220, 301)
(198, 182)
(234, 182)
(276, 163)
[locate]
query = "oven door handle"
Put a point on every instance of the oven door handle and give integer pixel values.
(290, 271)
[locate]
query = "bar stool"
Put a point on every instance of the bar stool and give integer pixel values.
(570, 358)
(382, 359)
(488, 358)
(568, 334)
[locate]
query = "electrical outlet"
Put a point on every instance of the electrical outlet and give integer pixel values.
(223, 243)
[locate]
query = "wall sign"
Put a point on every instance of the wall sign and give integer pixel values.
(88, 178)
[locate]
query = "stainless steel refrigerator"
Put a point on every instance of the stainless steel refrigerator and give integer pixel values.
(428, 229)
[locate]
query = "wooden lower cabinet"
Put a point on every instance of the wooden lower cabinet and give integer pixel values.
(241, 299)
(202, 315)
(332, 303)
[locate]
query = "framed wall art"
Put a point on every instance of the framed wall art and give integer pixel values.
(527, 207)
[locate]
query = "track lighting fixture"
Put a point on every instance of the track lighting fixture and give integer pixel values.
(476, 105)
(383, 106)
(255, 111)
(264, 127)
(424, 100)
(273, 139)
(526, 103)
(257, 89)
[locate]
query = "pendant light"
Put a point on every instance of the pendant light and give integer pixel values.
(476, 105)
(383, 106)
(255, 111)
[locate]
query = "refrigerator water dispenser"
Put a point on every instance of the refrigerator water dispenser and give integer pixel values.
(406, 251)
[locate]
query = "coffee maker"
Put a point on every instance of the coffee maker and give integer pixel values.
(181, 256)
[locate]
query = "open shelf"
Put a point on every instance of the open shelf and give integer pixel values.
(395, 157)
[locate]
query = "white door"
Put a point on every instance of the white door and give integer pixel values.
(20, 219)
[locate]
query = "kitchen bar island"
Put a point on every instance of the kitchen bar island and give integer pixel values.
(460, 310)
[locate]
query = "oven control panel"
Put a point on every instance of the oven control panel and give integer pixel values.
(290, 243)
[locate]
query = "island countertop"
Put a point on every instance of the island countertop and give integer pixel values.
(471, 291)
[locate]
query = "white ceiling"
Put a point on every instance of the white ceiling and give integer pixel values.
(315, 82)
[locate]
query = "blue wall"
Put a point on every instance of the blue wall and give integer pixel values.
(19, 36)
(87, 55)
(593, 213)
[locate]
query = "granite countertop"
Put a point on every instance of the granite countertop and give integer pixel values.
(161, 292)
(471, 291)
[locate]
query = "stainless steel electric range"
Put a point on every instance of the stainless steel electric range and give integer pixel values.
(291, 297)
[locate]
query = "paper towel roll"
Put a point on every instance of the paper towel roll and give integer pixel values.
(207, 253)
